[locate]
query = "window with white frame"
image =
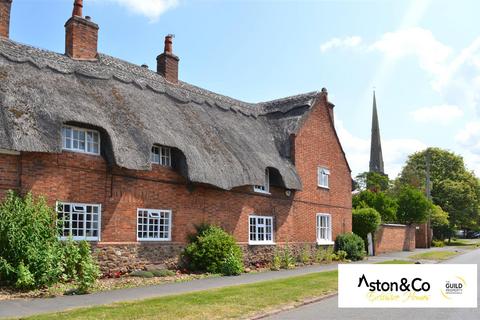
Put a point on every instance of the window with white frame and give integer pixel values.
(161, 155)
(260, 230)
(323, 177)
(78, 220)
(266, 186)
(154, 225)
(80, 140)
(324, 228)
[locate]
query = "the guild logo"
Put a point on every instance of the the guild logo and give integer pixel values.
(453, 287)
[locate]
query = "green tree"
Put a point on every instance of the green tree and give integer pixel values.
(365, 221)
(385, 204)
(413, 206)
(372, 181)
(455, 189)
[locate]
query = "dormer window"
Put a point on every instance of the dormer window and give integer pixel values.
(323, 177)
(80, 140)
(161, 155)
(265, 188)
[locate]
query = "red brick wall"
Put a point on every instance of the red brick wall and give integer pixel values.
(82, 178)
(423, 236)
(5, 6)
(391, 238)
(81, 39)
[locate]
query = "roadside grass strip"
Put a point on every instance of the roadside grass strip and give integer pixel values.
(223, 303)
(395, 261)
(434, 255)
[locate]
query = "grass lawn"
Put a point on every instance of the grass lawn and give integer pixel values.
(223, 303)
(464, 243)
(434, 255)
(395, 261)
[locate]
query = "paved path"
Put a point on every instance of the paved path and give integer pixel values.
(328, 309)
(26, 307)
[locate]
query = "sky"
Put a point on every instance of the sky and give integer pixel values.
(422, 58)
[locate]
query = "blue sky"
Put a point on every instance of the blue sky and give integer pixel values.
(422, 57)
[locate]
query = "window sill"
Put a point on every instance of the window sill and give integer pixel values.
(82, 152)
(325, 242)
(262, 192)
(92, 239)
(256, 243)
(153, 240)
(324, 188)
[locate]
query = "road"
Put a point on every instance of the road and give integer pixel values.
(327, 309)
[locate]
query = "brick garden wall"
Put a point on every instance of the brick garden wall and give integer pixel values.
(81, 178)
(391, 238)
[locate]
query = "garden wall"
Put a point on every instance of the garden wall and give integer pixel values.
(423, 236)
(394, 237)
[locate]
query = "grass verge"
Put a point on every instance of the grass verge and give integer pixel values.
(223, 303)
(434, 255)
(395, 261)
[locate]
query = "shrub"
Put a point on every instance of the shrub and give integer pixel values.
(141, 274)
(365, 221)
(276, 261)
(305, 255)
(352, 244)
(163, 273)
(211, 249)
(329, 255)
(232, 265)
(438, 243)
(341, 255)
(31, 255)
(320, 254)
(288, 260)
(30, 251)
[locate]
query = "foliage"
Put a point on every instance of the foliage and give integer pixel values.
(438, 217)
(352, 244)
(438, 243)
(276, 261)
(31, 255)
(385, 204)
(211, 250)
(365, 221)
(320, 255)
(305, 255)
(142, 274)
(341, 255)
(329, 254)
(372, 181)
(288, 260)
(29, 247)
(232, 265)
(163, 273)
(455, 189)
(413, 206)
(87, 270)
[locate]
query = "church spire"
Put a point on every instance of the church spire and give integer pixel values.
(376, 157)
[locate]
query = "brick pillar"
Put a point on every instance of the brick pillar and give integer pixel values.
(5, 9)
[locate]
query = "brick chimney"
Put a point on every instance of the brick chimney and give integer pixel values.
(81, 35)
(5, 6)
(167, 62)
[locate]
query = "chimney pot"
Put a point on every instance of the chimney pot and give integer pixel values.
(5, 9)
(88, 18)
(167, 62)
(77, 8)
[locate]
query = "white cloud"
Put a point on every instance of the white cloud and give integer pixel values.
(347, 42)
(152, 9)
(395, 151)
(442, 114)
(469, 136)
(414, 42)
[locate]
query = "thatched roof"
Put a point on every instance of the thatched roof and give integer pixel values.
(226, 142)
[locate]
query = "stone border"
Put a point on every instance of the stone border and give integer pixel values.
(292, 306)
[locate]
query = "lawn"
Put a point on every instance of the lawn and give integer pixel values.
(464, 243)
(223, 303)
(395, 261)
(434, 255)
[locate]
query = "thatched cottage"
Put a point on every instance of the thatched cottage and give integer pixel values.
(132, 159)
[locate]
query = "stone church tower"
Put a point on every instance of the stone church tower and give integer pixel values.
(376, 157)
